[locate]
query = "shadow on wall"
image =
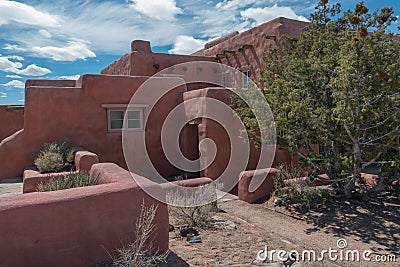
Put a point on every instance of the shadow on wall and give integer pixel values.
(11, 120)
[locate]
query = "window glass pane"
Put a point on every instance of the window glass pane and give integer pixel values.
(225, 81)
(135, 115)
(116, 124)
(134, 124)
(116, 115)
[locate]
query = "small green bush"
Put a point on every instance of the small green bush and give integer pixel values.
(302, 193)
(71, 180)
(55, 157)
(49, 161)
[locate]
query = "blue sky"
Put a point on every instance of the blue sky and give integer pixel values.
(42, 39)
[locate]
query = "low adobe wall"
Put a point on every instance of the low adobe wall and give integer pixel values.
(84, 160)
(10, 121)
(78, 226)
(246, 188)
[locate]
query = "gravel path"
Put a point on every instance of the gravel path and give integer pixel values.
(10, 187)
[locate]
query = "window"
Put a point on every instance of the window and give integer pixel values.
(117, 121)
(134, 119)
(124, 117)
(246, 78)
(225, 81)
(116, 118)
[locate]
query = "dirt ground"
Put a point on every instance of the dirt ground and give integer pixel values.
(373, 225)
(364, 226)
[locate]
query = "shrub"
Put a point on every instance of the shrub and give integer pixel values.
(49, 161)
(55, 157)
(188, 208)
(304, 195)
(297, 192)
(71, 180)
(141, 252)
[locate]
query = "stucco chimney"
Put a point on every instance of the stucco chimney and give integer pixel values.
(141, 46)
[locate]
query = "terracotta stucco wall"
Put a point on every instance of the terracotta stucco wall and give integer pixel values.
(119, 67)
(10, 122)
(251, 57)
(53, 113)
(142, 62)
(215, 131)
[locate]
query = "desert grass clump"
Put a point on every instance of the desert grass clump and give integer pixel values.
(292, 187)
(141, 251)
(55, 157)
(71, 180)
(193, 208)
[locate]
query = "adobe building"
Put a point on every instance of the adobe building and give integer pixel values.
(90, 111)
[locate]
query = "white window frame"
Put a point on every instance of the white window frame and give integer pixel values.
(246, 78)
(124, 109)
(225, 81)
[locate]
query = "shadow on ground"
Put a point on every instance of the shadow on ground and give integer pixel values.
(173, 260)
(374, 221)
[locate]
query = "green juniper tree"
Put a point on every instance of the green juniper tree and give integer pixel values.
(338, 86)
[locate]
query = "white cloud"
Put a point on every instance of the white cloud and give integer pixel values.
(262, 15)
(14, 76)
(15, 84)
(3, 95)
(8, 65)
(107, 27)
(11, 11)
(33, 70)
(235, 4)
(19, 58)
(69, 77)
(73, 51)
(158, 9)
(45, 33)
(185, 44)
(15, 48)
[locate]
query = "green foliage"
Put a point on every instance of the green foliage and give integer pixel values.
(71, 180)
(337, 86)
(287, 172)
(55, 157)
(48, 161)
(304, 195)
(290, 190)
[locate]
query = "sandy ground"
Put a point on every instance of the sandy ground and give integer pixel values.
(258, 225)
